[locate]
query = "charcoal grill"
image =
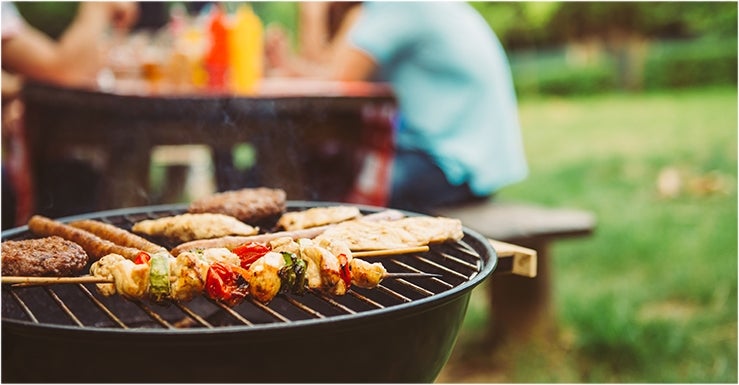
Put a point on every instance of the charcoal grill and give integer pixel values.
(402, 331)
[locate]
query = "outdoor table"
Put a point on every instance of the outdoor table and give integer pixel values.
(306, 133)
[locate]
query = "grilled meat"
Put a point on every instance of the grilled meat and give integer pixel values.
(117, 235)
(365, 274)
(49, 256)
(131, 279)
(231, 242)
(321, 260)
(317, 216)
(249, 205)
(264, 279)
(94, 246)
(406, 232)
(188, 272)
(189, 227)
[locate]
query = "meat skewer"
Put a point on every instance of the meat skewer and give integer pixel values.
(256, 270)
(44, 281)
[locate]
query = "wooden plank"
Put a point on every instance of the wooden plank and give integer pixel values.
(524, 259)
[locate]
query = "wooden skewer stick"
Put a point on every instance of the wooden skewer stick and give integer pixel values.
(384, 252)
(33, 281)
(411, 275)
(53, 280)
(43, 281)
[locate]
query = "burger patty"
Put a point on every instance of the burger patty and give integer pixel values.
(249, 205)
(51, 256)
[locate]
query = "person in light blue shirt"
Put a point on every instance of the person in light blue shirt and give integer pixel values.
(458, 136)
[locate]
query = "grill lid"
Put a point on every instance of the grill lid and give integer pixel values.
(462, 265)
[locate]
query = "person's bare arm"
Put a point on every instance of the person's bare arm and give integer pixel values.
(348, 63)
(339, 60)
(313, 29)
(75, 58)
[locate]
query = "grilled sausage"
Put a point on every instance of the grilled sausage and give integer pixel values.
(94, 246)
(117, 235)
(230, 242)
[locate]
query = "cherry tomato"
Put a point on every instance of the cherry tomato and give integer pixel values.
(344, 271)
(225, 284)
(249, 252)
(141, 258)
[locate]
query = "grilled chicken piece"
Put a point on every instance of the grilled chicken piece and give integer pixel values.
(365, 274)
(189, 227)
(187, 275)
(336, 247)
(219, 254)
(102, 269)
(286, 244)
(264, 281)
(322, 268)
(131, 279)
(406, 232)
(317, 216)
(189, 271)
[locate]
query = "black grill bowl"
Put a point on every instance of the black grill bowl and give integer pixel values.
(408, 341)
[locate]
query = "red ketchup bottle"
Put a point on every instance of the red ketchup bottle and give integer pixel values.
(216, 61)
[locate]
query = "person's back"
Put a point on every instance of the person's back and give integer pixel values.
(454, 88)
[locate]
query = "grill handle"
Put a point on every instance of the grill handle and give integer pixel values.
(521, 259)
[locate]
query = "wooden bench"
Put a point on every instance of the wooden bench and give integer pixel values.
(521, 305)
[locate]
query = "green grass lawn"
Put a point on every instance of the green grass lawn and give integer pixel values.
(652, 295)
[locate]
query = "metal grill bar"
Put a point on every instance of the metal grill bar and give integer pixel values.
(233, 313)
(416, 287)
(63, 306)
(155, 316)
(459, 261)
(194, 315)
(102, 307)
(399, 296)
(305, 308)
(365, 299)
(270, 311)
(334, 303)
(442, 267)
(434, 279)
(23, 306)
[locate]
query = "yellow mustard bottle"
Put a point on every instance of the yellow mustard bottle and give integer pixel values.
(246, 48)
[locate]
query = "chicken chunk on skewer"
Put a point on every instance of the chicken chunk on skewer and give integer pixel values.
(365, 274)
(264, 279)
(131, 279)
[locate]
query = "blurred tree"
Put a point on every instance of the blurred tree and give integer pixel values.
(623, 29)
(524, 25)
(518, 24)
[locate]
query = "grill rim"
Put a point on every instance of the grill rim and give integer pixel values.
(489, 261)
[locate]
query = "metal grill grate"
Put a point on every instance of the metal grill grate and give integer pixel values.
(81, 306)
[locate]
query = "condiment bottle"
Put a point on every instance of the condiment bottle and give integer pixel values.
(246, 49)
(216, 61)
